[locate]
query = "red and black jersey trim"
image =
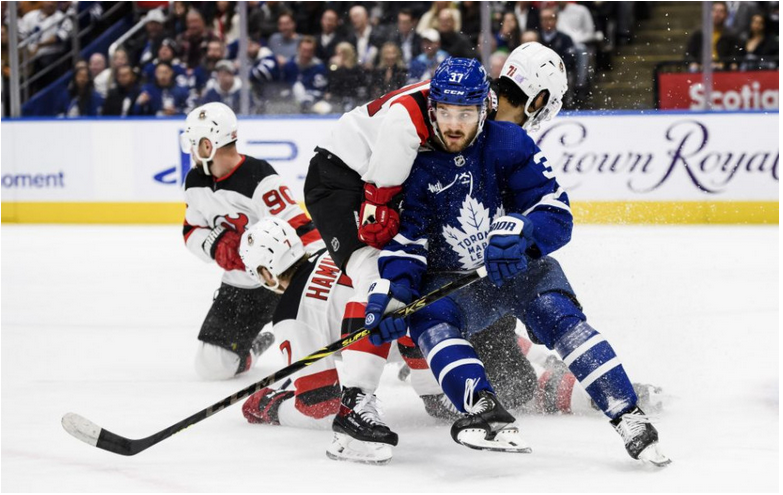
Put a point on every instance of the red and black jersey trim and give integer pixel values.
(188, 229)
(417, 107)
(288, 307)
(305, 229)
(411, 354)
(243, 179)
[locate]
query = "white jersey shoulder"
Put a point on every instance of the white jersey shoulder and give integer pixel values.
(380, 140)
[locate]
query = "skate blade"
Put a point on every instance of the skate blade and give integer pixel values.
(653, 455)
(345, 448)
(507, 440)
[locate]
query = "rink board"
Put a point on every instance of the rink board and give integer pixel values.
(621, 167)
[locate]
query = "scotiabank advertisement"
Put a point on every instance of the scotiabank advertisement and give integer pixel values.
(752, 90)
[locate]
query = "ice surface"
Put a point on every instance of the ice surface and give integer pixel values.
(102, 321)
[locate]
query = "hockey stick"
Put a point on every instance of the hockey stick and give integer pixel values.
(90, 433)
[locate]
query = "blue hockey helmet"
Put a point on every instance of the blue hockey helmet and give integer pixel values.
(459, 81)
(462, 82)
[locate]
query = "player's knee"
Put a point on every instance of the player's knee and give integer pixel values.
(550, 315)
(432, 336)
(444, 311)
(216, 363)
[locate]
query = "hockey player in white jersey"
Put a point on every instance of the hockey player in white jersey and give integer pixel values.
(225, 192)
(308, 317)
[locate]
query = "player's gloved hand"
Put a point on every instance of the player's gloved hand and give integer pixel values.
(385, 297)
(504, 256)
(378, 222)
(222, 244)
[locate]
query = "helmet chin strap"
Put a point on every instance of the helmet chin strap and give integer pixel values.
(205, 161)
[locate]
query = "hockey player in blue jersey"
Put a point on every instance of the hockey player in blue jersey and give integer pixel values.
(485, 197)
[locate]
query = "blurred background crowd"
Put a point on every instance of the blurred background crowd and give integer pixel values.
(164, 58)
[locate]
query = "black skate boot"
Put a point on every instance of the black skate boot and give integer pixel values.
(359, 433)
(488, 426)
(640, 437)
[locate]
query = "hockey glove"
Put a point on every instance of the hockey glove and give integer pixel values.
(504, 256)
(379, 223)
(222, 245)
(383, 298)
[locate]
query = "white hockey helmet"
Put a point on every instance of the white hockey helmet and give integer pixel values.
(213, 121)
(272, 244)
(534, 68)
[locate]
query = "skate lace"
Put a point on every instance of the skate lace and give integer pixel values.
(368, 408)
(471, 408)
(632, 425)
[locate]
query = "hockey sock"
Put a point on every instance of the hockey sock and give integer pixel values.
(453, 362)
(318, 395)
(556, 320)
(363, 362)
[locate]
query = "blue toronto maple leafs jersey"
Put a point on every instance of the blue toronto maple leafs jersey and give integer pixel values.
(451, 199)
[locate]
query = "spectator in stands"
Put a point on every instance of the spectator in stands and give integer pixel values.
(347, 79)
(725, 43)
(162, 97)
(529, 36)
(106, 80)
(193, 42)
(262, 23)
(329, 37)
(97, 65)
(406, 37)
(305, 75)
(429, 20)
(363, 37)
(391, 72)
(307, 16)
(739, 15)
(120, 99)
(80, 99)
(200, 76)
(167, 52)
(225, 24)
(528, 16)
(226, 88)
(453, 42)
(761, 46)
(558, 41)
(470, 13)
(177, 23)
(285, 43)
(49, 31)
(430, 58)
(146, 49)
(496, 61)
(576, 21)
(509, 36)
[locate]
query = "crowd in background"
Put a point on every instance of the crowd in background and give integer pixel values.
(327, 57)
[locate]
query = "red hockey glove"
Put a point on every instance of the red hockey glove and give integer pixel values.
(379, 223)
(223, 245)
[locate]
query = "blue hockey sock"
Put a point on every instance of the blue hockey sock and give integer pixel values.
(600, 372)
(454, 363)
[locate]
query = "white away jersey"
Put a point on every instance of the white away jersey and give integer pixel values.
(251, 191)
(380, 140)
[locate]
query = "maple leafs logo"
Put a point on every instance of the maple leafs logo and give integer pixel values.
(470, 238)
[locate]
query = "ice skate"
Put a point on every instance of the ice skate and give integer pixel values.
(261, 343)
(360, 434)
(262, 406)
(488, 426)
(640, 437)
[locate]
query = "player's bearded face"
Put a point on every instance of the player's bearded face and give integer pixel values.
(458, 125)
